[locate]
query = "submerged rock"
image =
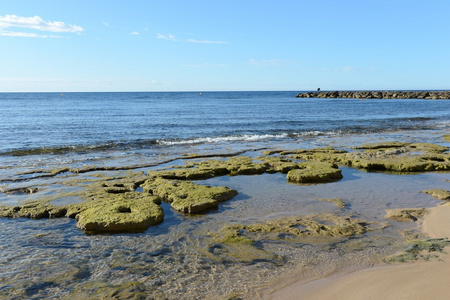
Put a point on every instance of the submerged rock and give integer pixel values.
(324, 224)
(243, 242)
(439, 194)
(419, 249)
(405, 214)
(338, 202)
(33, 210)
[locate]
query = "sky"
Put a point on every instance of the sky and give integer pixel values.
(207, 45)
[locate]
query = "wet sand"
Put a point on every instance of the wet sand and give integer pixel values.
(419, 280)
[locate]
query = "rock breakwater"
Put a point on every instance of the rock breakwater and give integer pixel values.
(443, 95)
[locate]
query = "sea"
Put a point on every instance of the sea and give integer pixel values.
(141, 131)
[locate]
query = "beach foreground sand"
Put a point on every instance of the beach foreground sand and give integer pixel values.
(419, 280)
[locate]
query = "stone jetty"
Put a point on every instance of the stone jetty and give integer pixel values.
(377, 94)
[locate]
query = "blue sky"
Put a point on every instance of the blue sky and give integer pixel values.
(138, 45)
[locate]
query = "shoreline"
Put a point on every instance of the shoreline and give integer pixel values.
(428, 95)
(416, 280)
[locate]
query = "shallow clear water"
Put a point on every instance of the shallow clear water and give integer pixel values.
(178, 258)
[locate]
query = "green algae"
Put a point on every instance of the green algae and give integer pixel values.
(318, 172)
(185, 174)
(102, 290)
(446, 137)
(439, 194)
(405, 214)
(33, 210)
(174, 185)
(126, 212)
(233, 166)
(279, 164)
(244, 241)
(381, 145)
(324, 225)
(338, 202)
(229, 242)
(419, 249)
(113, 205)
(404, 157)
(186, 196)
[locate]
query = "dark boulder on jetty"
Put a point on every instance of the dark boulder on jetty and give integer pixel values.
(378, 94)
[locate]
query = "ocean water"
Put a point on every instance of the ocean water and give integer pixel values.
(136, 121)
(52, 259)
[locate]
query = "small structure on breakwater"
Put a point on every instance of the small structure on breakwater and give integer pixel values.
(377, 94)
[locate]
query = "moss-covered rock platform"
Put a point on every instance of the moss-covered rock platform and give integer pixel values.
(131, 202)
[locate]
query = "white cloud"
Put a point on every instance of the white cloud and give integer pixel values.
(349, 69)
(37, 23)
(205, 41)
(134, 33)
(169, 37)
(27, 34)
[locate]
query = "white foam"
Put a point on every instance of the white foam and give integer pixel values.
(233, 138)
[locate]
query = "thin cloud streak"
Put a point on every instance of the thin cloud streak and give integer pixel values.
(37, 23)
(27, 34)
(169, 37)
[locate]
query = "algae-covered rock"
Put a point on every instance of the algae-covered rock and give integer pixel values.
(392, 156)
(447, 137)
(33, 210)
(185, 174)
(94, 290)
(382, 145)
(314, 173)
(279, 164)
(338, 202)
(243, 165)
(233, 166)
(186, 196)
(231, 243)
(325, 225)
(405, 214)
(439, 194)
(419, 249)
(125, 212)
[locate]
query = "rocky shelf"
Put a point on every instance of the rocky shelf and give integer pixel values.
(377, 94)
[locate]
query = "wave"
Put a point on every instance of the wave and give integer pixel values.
(233, 138)
(146, 144)
(81, 148)
(275, 134)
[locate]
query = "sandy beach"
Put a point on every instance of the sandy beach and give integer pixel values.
(419, 280)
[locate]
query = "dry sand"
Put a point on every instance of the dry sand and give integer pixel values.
(419, 280)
